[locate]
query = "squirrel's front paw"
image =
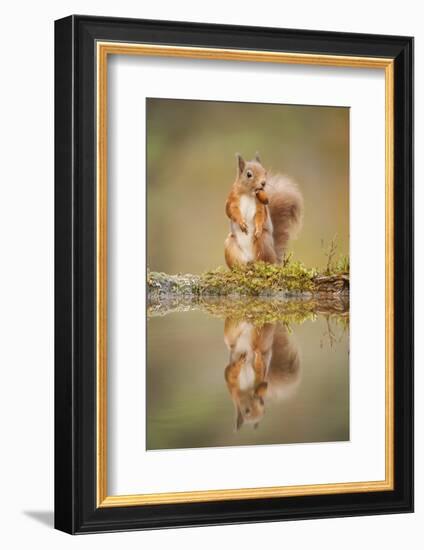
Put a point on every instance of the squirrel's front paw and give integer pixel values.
(258, 233)
(243, 227)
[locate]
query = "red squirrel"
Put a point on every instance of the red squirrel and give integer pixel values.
(265, 211)
(264, 366)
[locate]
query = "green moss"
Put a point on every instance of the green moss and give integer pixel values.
(342, 265)
(258, 279)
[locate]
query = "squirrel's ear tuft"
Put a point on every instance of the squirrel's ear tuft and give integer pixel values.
(240, 163)
(258, 158)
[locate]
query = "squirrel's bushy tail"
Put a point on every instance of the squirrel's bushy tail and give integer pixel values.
(286, 210)
(284, 372)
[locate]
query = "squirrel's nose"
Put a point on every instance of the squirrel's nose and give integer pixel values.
(263, 184)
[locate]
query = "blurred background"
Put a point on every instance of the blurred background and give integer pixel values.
(191, 166)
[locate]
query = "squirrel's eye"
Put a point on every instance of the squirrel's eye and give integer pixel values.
(249, 174)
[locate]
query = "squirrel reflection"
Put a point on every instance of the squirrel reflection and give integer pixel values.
(264, 365)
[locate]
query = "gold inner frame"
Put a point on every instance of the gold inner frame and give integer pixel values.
(104, 49)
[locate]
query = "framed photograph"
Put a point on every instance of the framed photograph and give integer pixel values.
(234, 274)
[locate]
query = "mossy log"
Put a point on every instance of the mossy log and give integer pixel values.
(260, 291)
(260, 279)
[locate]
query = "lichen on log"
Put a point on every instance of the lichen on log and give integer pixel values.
(258, 279)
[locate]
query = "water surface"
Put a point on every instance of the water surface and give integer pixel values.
(215, 381)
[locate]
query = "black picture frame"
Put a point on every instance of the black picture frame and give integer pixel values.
(76, 510)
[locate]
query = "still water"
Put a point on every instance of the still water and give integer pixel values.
(215, 382)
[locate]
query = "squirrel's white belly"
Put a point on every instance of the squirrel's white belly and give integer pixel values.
(246, 377)
(245, 241)
(244, 340)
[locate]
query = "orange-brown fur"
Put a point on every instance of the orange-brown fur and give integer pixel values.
(274, 364)
(275, 214)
